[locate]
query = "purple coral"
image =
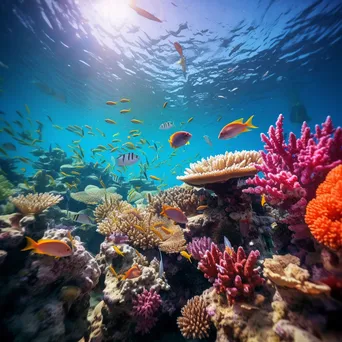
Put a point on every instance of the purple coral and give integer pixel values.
(293, 170)
(198, 246)
(145, 305)
(232, 273)
(118, 238)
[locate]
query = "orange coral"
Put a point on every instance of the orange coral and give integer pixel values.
(324, 213)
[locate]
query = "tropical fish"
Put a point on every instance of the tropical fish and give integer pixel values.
(263, 200)
(219, 118)
(49, 117)
(235, 128)
(221, 97)
(157, 233)
(136, 226)
(207, 140)
(179, 139)
(179, 48)
(125, 100)
(58, 127)
(127, 159)
(20, 114)
(164, 105)
(124, 111)
(143, 13)
(202, 207)
(118, 251)
(228, 246)
(155, 178)
(135, 121)
(166, 125)
(166, 230)
(2, 151)
(186, 255)
(100, 132)
(88, 127)
(133, 272)
(56, 248)
(27, 109)
(91, 133)
(190, 119)
(130, 145)
(81, 218)
(9, 146)
(111, 103)
(161, 265)
(69, 294)
(112, 270)
(174, 214)
(110, 121)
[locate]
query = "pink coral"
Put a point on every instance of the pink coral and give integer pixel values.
(145, 305)
(198, 246)
(209, 261)
(294, 170)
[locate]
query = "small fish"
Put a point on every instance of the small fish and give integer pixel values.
(104, 135)
(116, 134)
(71, 238)
(111, 103)
(166, 230)
(136, 226)
(155, 231)
(75, 173)
(88, 127)
(2, 151)
(9, 146)
(27, 109)
(235, 128)
(110, 121)
(69, 294)
(161, 265)
(64, 174)
(143, 12)
(219, 119)
(174, 214)
(102, 183)
(274, 225)
(228, 246)
(263, 200)
(182, 63)
(127, 159)
(49, 117)
(20, 114)
(91, 133)
(58, 127)
(186, 255)
(112, 270)
(178, 48)
(189, 120)
(164, 105)
(202, 207)
(179, 139)
(135, 121)
(130, 145)
(124, 111)
(136, 135)
(166, 125)
(8, 131)
(221, 97)
(155, 178)
(81, 218)
(116, 140)
(49, 247)
(106, 168)
(118, 251)
(207, 140)
(133, 272)
(125, 100)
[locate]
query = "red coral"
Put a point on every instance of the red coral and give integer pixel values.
(209, 261)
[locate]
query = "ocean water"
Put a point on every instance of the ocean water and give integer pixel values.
(62, 60)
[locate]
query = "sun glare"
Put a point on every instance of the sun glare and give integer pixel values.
(115, 12)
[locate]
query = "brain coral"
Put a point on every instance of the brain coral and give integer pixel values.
(324, 213)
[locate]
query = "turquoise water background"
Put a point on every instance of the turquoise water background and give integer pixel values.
(95, 51)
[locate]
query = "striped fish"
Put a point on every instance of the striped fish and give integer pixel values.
(166, 125)
(127, 159)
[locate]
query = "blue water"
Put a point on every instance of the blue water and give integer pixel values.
(273, 53)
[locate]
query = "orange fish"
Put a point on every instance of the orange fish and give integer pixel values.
(179, 49)
(179, 139)
(174, 214)
(143, 13)
(111, 103)
(133, 272)
(235, 128)
(202, 207)
(49, 247)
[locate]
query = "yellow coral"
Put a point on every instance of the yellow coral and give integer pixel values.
(194, 322)
(35, 203)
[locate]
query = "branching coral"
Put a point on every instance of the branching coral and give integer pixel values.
(187, 199)
(198, 246)
(194, 322)
(35, 203)
(145, 306)
(108, 205)
(324, 213)
(5, 188)
(143, 229)
(233, 273)
(222, 167)
(284, 271)
(294, 170)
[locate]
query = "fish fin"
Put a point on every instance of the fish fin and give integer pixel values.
(246, 130)
(179, 62)
(188, 143)
(31, 244)
(249, 123)
(236, 121)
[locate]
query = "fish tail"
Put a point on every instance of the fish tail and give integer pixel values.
(31, 244)
(249, 123)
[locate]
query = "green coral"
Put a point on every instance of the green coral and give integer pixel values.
(5, 188)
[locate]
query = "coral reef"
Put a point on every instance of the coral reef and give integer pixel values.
(194, 322)
(198, 246)
(108, 205)
(145, 306)
(220, 168)
(324, 213)
(94, 195)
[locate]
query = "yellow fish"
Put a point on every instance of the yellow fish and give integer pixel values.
(124, 111)
(125, 100)
(139, 228)
(219, 118)
(27, 109)
(111, 103)
(75, 173)
(202, 207)
(190, 119)
(155, 178)
(111, 269)
(110, 121)
(166, 230)
(186, 255)
(58, 127)
(157, 233)
(88, 127)
(263, 200)
(118, 251)
(164, 105)
(135, 121)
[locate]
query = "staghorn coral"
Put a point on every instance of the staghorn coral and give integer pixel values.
(145, 306)
(220, 168)
(108, 205)
(138, 225)
(187, 199)
(284, 271)
(324, 213)
(35, 203)
(194, 322)
(5, 188)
